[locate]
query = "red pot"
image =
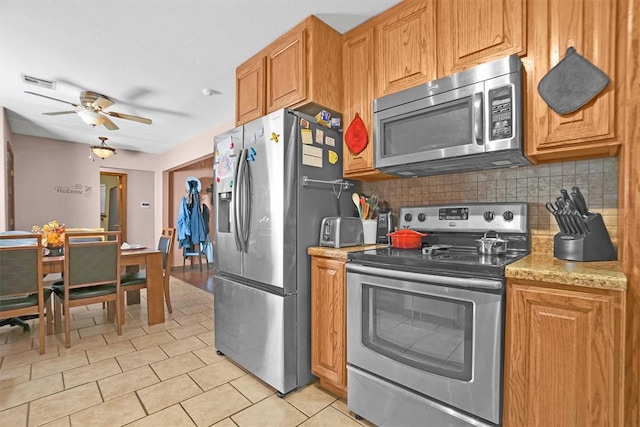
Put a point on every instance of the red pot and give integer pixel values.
(406, 239)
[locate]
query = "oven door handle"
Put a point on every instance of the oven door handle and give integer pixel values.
(424, 277)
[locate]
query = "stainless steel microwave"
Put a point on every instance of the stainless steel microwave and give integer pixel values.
(471, 120)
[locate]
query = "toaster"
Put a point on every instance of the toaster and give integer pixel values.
(340, 232)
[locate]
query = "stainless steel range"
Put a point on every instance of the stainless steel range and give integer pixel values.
(425, 326)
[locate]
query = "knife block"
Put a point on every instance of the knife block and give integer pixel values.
(594, 246)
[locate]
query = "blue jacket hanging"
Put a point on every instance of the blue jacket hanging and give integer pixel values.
(184, 230)
(190, 224)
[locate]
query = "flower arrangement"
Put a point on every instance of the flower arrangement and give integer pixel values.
(52, 233)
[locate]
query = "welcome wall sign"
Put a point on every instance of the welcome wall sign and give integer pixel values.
(74, 190)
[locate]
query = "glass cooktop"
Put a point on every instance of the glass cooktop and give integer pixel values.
(458, 260)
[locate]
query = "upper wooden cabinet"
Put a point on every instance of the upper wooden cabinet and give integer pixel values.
(301, 69)
(286, 70)
(386, 54)
(358, 89)
(405, 51)
(563, 356)
(590, 27)
(250, 90)
(471, 32)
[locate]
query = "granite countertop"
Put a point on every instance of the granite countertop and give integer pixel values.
(544, 267)
(339, 253)
(538, 266)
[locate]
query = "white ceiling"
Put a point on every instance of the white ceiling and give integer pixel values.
(152, 57)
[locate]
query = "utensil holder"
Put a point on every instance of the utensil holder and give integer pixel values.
(595, 245)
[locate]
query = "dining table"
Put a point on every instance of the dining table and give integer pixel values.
(133, 258)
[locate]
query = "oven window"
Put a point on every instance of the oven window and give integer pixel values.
(434, 128)
(430, 333)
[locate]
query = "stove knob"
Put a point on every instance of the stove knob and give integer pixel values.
(508, 216)
(421, 217)
(408, 217)
(488, 216)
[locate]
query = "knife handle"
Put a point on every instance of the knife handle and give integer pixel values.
(580, 196)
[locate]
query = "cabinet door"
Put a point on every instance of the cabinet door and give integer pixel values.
(250, 90)
(405, 46)
(286, 71)
(357, 63)
(471, 32)
(328, 323)
(590, 27)
(562, 358)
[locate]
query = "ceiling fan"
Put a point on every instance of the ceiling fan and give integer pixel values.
(91, 110)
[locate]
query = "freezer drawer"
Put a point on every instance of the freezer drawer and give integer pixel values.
(257, 330)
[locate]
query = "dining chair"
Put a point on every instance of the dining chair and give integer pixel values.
(22, 292)
(135, 281)
(91, 275)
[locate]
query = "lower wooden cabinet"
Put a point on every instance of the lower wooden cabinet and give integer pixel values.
(328, 323)
(563, 356)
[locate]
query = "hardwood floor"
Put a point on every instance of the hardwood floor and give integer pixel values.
(192, 275)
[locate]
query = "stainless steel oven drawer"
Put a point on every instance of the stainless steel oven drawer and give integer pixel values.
(386, 404)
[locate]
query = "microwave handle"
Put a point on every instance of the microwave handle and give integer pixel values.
(477, 118)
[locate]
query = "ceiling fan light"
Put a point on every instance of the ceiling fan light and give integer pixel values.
(91, 117)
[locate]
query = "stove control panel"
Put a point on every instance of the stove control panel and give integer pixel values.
(469, 217)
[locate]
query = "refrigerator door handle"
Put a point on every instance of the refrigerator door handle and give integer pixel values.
(237, 228)
(246, 202)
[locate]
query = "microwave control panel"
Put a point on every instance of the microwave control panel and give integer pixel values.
(501, 101)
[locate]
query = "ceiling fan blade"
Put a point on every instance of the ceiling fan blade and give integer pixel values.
(57, 113)
(49, 97)
(102, 103)
(108, 123)
(128, 117)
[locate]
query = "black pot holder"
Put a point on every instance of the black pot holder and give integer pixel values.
(572, 83)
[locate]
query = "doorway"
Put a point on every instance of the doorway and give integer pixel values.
(113, 202)
(202, 169)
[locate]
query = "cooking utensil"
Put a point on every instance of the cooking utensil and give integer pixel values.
(373, 201)
(491, 245)
(365, 211)
(406, 239)
(565, 194)
(355, 197)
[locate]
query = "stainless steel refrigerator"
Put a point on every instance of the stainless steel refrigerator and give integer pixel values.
(266, 216)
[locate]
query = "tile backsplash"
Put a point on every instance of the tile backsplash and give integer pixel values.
(535, 185)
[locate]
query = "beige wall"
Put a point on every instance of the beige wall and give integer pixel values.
(55, 180)
(141, 227)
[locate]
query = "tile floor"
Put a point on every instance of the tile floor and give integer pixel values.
(163, 375)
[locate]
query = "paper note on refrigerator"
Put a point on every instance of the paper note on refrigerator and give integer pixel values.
(312, 156)
(330, 141)
(307, 136)
(319, 136)
(224, 159)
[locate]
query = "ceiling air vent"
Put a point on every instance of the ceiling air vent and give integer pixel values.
(48, 84)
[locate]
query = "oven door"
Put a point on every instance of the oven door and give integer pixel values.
(439, 336)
